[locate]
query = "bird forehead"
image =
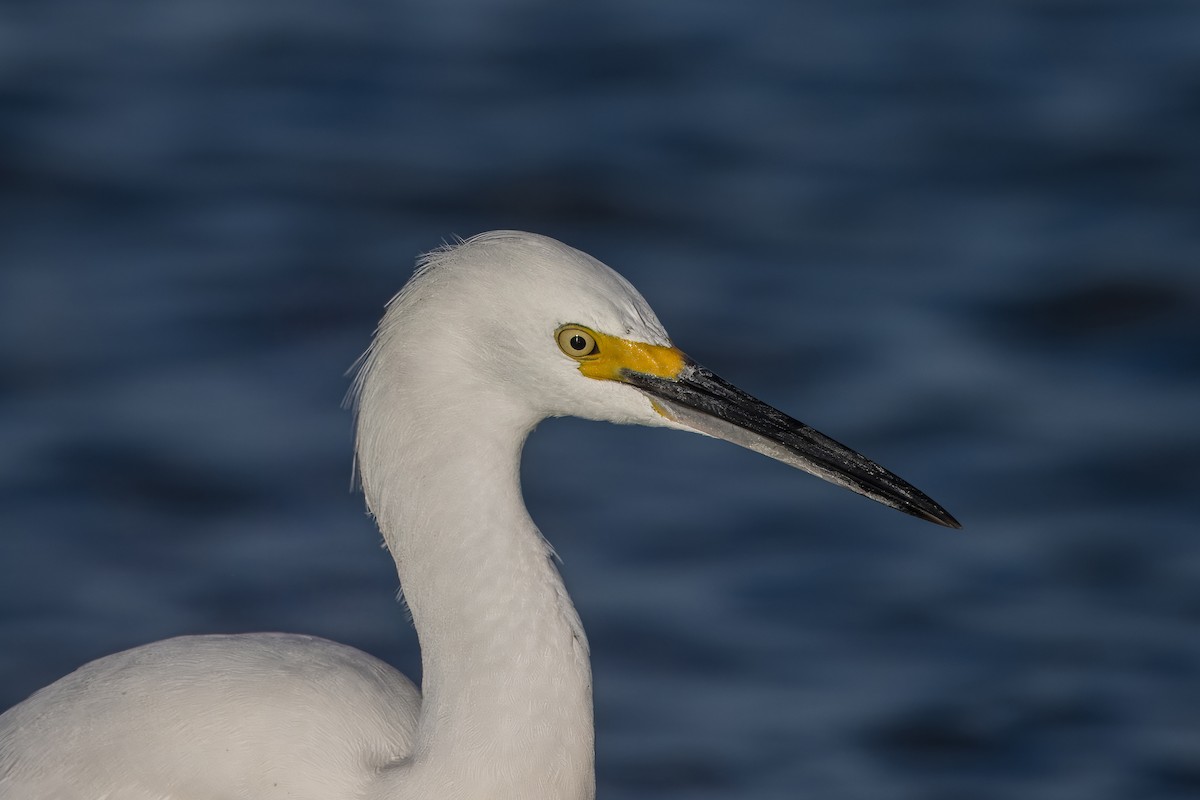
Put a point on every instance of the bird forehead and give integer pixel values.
(604, 301)
(530, 283)
(599, 299)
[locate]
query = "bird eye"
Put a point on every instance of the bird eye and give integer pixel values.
(576, 342)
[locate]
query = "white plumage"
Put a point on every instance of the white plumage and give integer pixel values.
(487, 339)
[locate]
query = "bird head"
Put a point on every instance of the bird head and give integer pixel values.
(530, 328)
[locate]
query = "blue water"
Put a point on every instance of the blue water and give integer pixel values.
(963, 238)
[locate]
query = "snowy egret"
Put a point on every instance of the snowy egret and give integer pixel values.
(488, 338)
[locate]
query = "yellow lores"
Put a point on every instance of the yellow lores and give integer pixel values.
(604, 357)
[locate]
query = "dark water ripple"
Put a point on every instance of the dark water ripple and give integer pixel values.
(960, 237)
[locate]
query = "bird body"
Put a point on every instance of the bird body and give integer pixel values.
(254, 716)
(488, 338)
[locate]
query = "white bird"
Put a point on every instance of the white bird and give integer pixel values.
(488, 338)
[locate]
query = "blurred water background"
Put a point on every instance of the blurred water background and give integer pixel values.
(962, 237)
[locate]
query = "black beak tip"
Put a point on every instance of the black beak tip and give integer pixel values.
(937, 515)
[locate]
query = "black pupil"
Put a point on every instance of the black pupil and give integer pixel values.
(578, 342)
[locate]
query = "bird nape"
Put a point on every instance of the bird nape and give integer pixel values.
(487, 338)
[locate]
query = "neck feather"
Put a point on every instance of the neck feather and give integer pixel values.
(506, 677)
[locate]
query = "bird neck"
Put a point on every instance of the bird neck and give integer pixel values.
(506, 680)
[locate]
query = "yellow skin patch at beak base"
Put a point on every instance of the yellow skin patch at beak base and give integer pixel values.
(614, 354)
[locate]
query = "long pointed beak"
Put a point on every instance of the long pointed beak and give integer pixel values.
(695, 397)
